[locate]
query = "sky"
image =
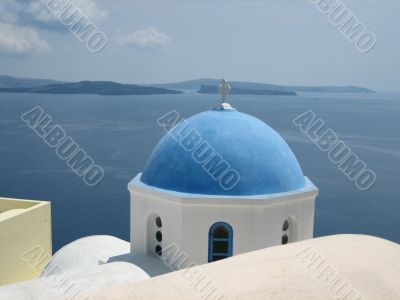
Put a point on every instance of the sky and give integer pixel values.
(290, 42)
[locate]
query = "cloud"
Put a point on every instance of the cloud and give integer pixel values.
(20, 21)
(15, 39)
(40, 12)
(146, 38)
(36, 12)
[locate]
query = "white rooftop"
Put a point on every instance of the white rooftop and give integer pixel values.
(334, 267)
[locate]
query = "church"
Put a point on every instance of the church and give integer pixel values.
(223, 196)
(218, 184)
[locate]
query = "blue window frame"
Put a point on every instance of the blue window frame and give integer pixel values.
(220, 237)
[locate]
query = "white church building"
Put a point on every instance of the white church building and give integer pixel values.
(218, 184)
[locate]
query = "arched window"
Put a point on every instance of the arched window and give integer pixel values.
(220, 239)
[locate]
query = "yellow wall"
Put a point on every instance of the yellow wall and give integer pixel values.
(25, 239)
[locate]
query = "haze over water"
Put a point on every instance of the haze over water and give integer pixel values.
(119, 133)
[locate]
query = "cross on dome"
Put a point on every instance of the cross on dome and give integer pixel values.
(224, 89)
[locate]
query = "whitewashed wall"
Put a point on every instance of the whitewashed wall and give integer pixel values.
(186, 219)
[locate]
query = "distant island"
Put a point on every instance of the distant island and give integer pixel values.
(213, 89)
(10, 84)
(195, 85)
(92, 87)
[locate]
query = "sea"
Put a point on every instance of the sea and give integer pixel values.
(120, 132)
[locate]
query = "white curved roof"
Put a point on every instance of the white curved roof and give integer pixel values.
(365, 267)
(351, 267)
(77, 269)
(85, 253)
(74, 285)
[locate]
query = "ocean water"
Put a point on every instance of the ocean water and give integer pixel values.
(119, 133)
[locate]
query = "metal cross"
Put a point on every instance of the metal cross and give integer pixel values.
(224, 89)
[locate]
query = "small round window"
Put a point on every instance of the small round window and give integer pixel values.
(159, 236)
(285, 239)
(158, 250)
(285, 225)
(158, 222)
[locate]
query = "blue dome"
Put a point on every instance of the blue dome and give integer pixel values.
(223, 152)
